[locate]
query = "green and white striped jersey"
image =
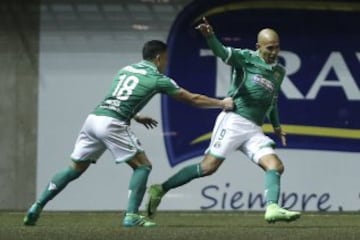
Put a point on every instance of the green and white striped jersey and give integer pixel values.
(132, 88)
(254, 83)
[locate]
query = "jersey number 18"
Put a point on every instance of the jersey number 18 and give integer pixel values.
(125, 86)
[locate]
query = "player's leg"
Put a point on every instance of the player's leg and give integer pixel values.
(55, 186)
(125, 147)
(259, 148)
(221, 143)
(208, 166)
(87, 149)
(137, 186)
(61, 179)
(273, 169)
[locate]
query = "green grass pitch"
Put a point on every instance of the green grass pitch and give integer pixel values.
(180, 225)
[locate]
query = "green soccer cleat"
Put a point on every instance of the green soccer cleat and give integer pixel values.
(155, 193)
(136, 220)
(274, 213)
(32, 215)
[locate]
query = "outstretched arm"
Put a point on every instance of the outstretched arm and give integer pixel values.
(203, 101)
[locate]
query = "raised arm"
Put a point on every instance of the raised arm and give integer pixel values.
(213, 42)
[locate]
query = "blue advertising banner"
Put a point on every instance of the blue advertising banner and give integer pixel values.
(320, 98)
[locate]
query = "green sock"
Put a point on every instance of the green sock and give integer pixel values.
(183, 176)
(58, 183)
(272, 186)
(137, 188)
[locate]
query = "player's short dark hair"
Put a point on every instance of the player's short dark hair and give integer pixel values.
(152, 48)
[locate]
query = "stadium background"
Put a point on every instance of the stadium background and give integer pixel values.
(57, 59)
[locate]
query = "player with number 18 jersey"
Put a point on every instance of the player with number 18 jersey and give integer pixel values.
(132, 88)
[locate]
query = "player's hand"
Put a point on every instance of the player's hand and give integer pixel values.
(205, 28)
(148, 122)
(228, 103)
(281, 134)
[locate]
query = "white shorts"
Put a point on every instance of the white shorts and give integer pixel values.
(100, 133)
(233, 132)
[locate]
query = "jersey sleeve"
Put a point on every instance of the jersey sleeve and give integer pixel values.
(228, 55)
(167, 85)
(273, 113)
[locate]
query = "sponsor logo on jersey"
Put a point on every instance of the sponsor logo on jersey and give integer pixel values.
(319, 100)
(263, 82)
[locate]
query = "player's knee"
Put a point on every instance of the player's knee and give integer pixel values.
(271, 162)
(207, 172)
(147, 167)
(209, 165)
(208, 169)
(80, 166)
(276, 165)
(280, 168)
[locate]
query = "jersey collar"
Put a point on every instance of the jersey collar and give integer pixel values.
(149, 64)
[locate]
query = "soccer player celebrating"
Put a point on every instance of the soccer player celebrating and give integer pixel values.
(108, 127)
(255, 85)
